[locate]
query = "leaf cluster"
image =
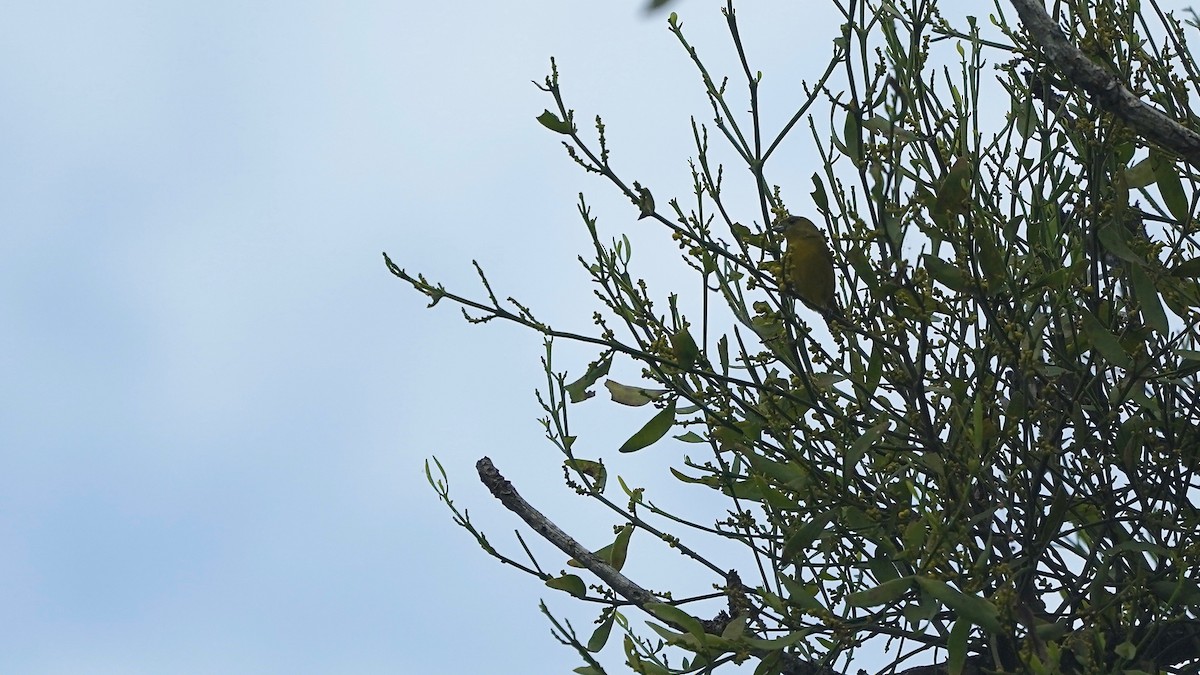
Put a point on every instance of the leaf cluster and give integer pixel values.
(990, 464)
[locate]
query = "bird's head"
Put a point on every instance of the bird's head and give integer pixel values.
(798, 227)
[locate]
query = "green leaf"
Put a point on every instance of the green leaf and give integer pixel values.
(990, 259)
(1126, 650)
(634, 495)
(1024, 119)
(743, 233)
(915, 534)
(888, 591)
(593, 470)
(1113, 236)
(1141, 174)
(677, 617)
(1104, 341)
(893, 227)
(570, 583)
(578, 390)
(888, 127)
(759, 490)
(736, 629)
(1147, 295)
(770, 664)
(1179, 294)
(803, 536)
(954, 192)
(614, 553)
(863, 267)
(956, 646)
(685, 640)
(600, 635)
(853, 134)
(1187, 268)
(633, 396)
(788, 474)
(1060, 278)
(686, 351)
(947, 274)
(975, 609)
(874, 369)
(818, 194)
(800, 594)
(553, 123)
(656, 428)
(1125, 151)
(1169, 186)
(1181, 592)
(882, 568)
(637, 663)
(1120, 187)
(617, 551)
(710, 481)
(780, 642)
(864, 442)
(924, 608)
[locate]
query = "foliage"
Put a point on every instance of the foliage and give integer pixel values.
(991, 464)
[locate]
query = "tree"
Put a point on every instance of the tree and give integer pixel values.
(990, 465)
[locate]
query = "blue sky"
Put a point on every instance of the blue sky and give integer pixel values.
(217, 403)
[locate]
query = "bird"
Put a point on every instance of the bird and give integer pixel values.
(807, 266)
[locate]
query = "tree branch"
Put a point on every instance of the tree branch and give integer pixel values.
(1152, 124)
(503, 490)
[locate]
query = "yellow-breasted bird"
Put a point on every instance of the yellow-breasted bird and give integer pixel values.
(807, 266)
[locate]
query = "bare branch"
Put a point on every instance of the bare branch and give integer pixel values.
(1152, 124)
(503, 490)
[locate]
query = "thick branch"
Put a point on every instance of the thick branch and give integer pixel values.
(1107, 92)
(503, 490)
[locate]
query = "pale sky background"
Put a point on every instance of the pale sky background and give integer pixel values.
(217, 402)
